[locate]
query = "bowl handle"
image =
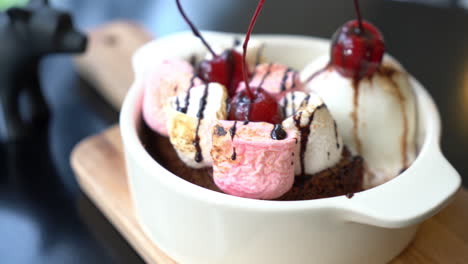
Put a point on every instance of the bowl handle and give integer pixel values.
(412, 197)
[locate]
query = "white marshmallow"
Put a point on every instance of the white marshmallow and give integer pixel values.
(182, 127)
(324, 145)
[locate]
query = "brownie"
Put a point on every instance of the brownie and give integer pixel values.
(343, 179)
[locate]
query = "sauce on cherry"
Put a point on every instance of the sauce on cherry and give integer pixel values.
(357, 48)
(225, 68)
(254, 103)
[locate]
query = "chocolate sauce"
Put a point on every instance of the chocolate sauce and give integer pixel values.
(284, 105)
(293, 96)
(317, 73)
(278, 132)
(193, 60)
(355, 116)
(234, 154)
(285, 79)
(266, 75)
(177, 103)
(336, 134)
(232, 132)
(304, 134)
(220, 131)
(388, 72)
(305, 101)
(294, 77)
(187, 97)
(200, 115)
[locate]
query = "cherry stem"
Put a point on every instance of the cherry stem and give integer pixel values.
(358, 13)
(244, 47)
(195, 31)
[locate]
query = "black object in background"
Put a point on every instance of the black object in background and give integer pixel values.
(27, 35)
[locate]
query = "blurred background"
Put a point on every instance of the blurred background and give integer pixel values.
(44, 217)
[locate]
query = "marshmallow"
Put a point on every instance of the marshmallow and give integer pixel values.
(380, 123)
(206, 104)
(319, 140)
(248, 162)
(277, 79)
(168, 78)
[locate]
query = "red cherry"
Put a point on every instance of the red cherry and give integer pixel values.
(251, 104)
(225, 69)
(357, 49)
(263, 108)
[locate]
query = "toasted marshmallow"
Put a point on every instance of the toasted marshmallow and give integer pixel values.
(248, 162)
(277, 79)
(189, 124)
(168, 78)
(254, 52)
(319, 139)
(376, 116)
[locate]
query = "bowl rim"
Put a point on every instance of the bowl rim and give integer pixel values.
(132, 144)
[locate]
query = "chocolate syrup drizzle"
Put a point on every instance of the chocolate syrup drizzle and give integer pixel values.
(278, 132)
(293, 96)
(187, 97)
(389, 72)
(305, 101)
(317, 73)
(200, 116)
(232, 132)
(304, 134)
(336, 134)
(285, 79)
(266, 75)
(285, 105)
(355, 115)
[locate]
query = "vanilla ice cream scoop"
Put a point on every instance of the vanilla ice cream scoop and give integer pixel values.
(320, 145)
(190, 118)
(376, 115)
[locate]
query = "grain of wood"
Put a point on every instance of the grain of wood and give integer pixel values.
(100, 169)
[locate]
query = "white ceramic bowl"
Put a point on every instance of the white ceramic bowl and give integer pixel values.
(195, 225)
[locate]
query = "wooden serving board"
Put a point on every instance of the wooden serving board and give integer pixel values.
(106, 64)
(100, 170)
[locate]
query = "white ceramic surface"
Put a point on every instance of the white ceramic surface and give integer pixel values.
(195, 225)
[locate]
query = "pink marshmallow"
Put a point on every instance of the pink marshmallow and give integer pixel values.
(251, 164)
(168, 78)
(277, 79)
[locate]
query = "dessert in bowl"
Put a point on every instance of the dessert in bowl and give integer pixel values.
(193, 224)
(196, 225)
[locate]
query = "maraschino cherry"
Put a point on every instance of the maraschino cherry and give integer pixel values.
(357, 48)
(254, 104)
(225, 69)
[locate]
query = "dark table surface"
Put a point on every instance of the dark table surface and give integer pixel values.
(45, 218)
